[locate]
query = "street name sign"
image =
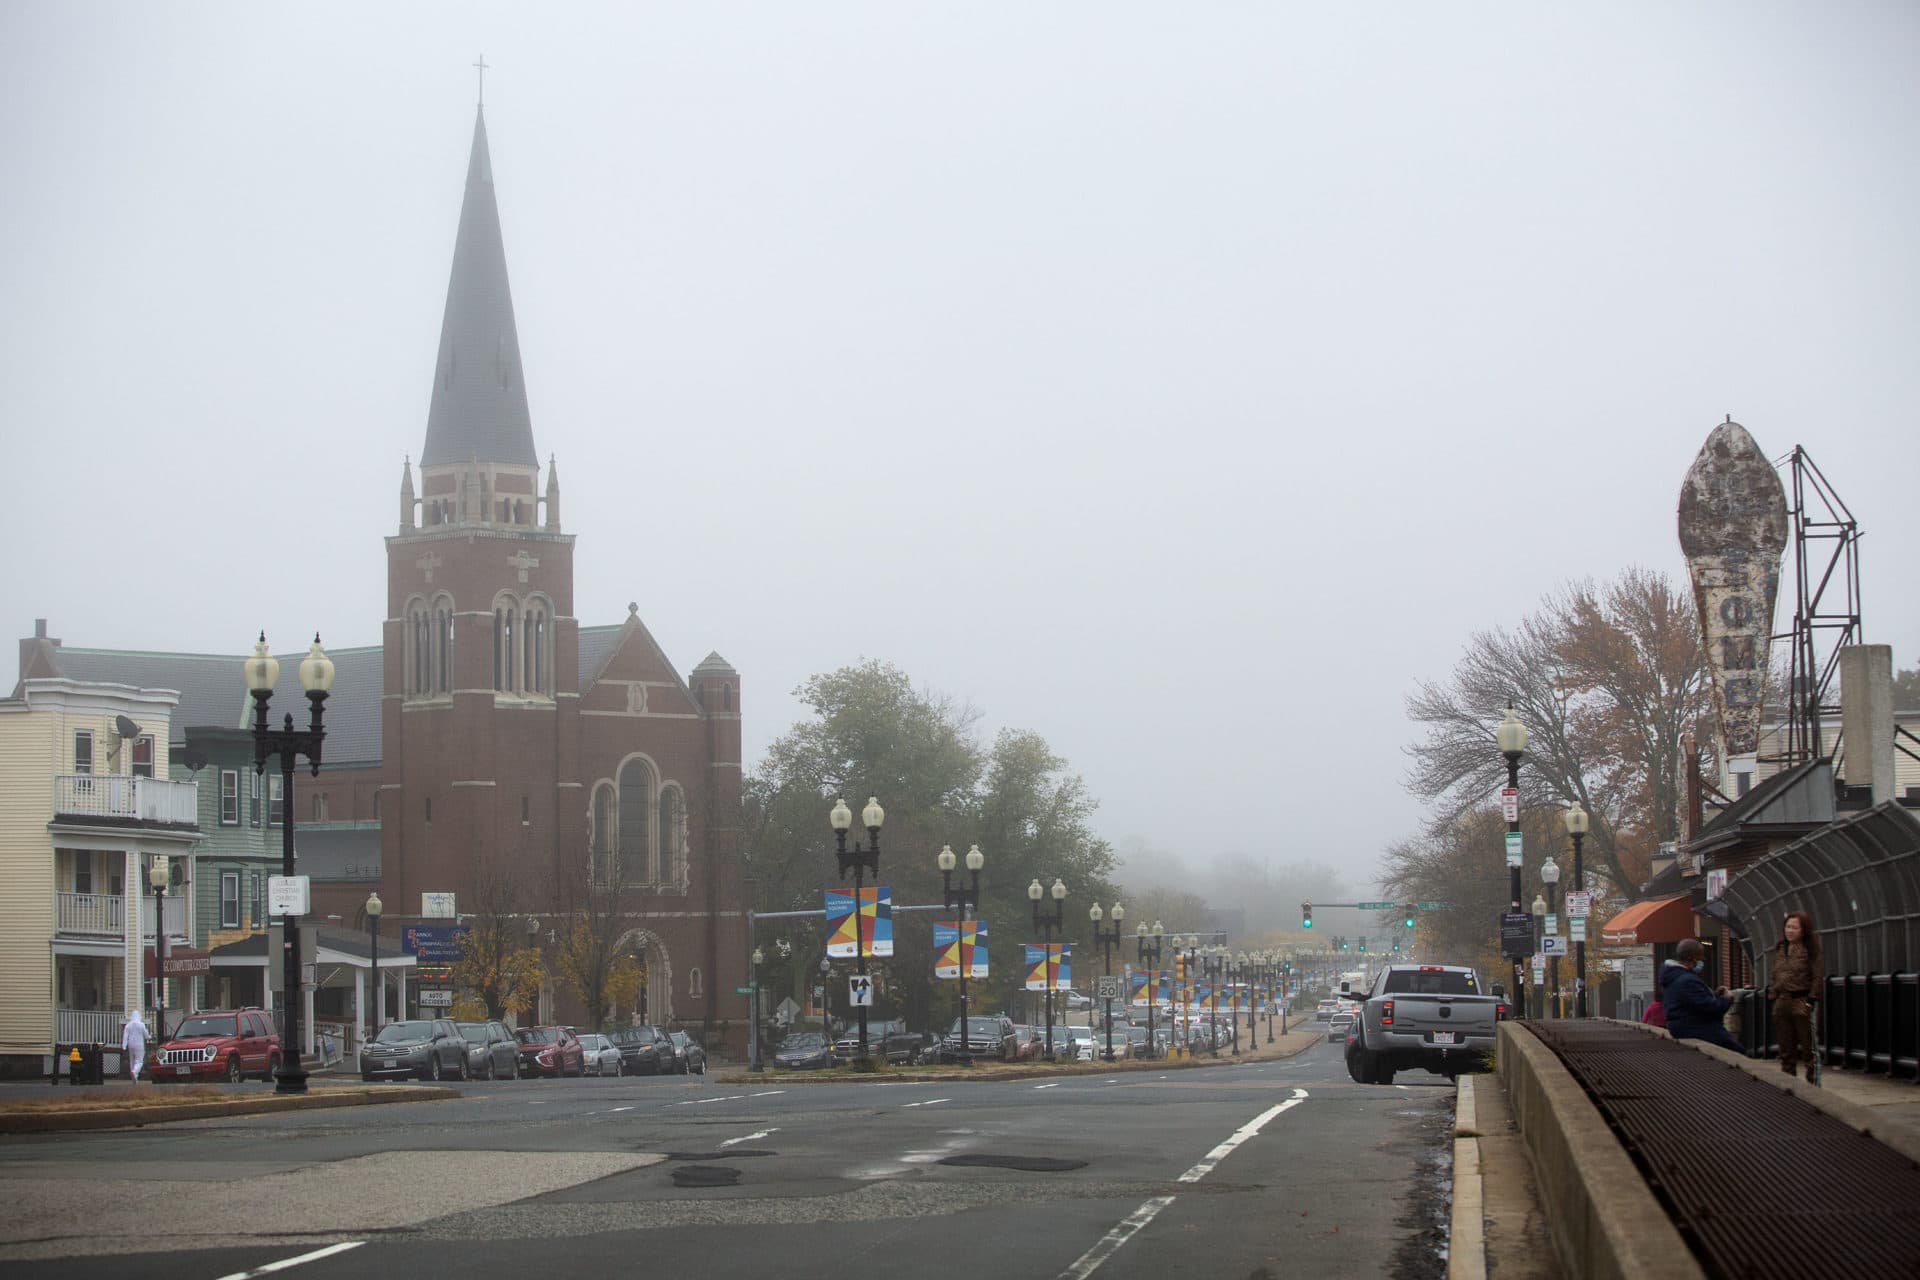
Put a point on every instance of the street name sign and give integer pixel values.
(743, 991)
(1373, 906)
(287, 895)
(1433, 906)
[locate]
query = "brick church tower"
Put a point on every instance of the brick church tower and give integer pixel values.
(514, 738)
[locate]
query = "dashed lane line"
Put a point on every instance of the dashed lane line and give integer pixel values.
(284, 1263)
(751, 1137)
(928, 1103)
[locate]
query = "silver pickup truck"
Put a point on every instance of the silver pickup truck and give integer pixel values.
(1423, 1015)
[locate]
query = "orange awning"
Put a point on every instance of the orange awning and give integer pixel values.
(1655, 920)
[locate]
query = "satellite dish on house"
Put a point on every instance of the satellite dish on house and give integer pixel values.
(125, 727)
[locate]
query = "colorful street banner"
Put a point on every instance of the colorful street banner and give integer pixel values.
(1049, 966)
(1137, 980)
(950, 939)
(875, 920)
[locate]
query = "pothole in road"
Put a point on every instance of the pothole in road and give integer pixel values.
(736, 1153)
(706, 1175)
(1025, 1164)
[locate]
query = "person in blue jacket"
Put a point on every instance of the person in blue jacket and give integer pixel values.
(1694, 1011)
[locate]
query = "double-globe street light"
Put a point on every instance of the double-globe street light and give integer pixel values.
(1147, 944)
(1550, 876)
(159, 871)
(1186, 953)
(1108, 940)
(1576, 820)
(962, 900)
(1215, 963)
(1511, 737)
(859, 859)
(1049, 923)
(373, 959)
(316, 678)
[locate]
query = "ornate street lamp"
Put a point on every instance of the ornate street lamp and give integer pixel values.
(753, 1039)
(373, 961)
(860, 860)
(158, 872)
(1049, 923)
(1511, 736)
(1147, 944)
(316, 678)
(1550, 876)
(1576, 820)
(961, 899)
(1108, 940)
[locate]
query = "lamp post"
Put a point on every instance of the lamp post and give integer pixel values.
(1216, 966)
(1539, 1006)
(1147, 945)
(1576, 820)
(1108, 940)
(1186, 957)
(1512, 739)
(157, 873)
(960, 900)
(1550, 876)
(1242, 973)
(316, 677)
(860, 860)
(373, 962)
(1049, 924)
(753, 1036)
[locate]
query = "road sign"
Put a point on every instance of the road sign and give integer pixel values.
(432, 943)
(743, 991)
(1553, 923)
(1516, 934)
(1579, 903)
(1553, 945)
(1539, 969)
(1106, 987)
(1433, 906)
(1513, 848)
(1577, 925)
(431, 998)
(1373, 906)
(436, 906)
(1509, 804)
(860, 991)
(287, 896)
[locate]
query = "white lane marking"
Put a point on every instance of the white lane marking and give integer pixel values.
(749, 1137)
(619, 1109)
(929, 1102)
(695, 1102)
(1163, 1077)
(1399, 1086)
(1089, 1262)
(768, 1094)
(284, 1263)
(1054, 1085)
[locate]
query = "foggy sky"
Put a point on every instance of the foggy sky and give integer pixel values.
(1180, 382)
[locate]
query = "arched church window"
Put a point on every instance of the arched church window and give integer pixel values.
(443, 646)
(606, 824)
(673, 833)
(726, 697)
(638, 787)
(695, 984)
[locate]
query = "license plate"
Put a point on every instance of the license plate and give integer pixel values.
(1445, 1037)
(183, 1071)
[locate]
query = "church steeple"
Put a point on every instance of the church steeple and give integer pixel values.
(479, 408)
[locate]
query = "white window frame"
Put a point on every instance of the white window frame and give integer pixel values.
(82, 736)
(134, 766)
(229, 776)
(229, 899)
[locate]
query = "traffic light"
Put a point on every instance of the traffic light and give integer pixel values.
(1363, 944)
(1396, 948)
(1306, 915)
(1409, 914)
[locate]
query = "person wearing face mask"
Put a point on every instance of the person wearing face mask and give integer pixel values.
(1794, 984)
(1693, 1010)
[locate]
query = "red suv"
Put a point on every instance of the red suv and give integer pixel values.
(222, 1044)
(550, 1051)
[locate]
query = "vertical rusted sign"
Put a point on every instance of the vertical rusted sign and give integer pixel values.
(1733, 528)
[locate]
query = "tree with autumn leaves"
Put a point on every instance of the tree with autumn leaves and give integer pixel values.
(500, 969)
(1611, 682)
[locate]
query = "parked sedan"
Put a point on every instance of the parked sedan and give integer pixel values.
(431, 1050)
(601, 1055)
(807, 1050)
(689, 1059)
(491, 1051)
(550, 1051)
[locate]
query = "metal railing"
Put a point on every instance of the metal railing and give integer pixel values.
(118, 797)
(101, 913)
(1867, 1022)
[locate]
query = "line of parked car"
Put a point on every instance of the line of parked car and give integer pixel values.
(442, 1049)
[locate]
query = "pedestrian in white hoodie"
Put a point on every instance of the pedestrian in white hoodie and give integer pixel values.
(134, 1041)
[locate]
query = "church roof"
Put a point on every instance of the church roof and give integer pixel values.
(479, 409)
(213, 693)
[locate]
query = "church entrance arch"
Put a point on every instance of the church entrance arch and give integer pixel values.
(654, 1004)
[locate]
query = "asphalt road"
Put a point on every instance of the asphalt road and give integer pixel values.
(1247, 1170)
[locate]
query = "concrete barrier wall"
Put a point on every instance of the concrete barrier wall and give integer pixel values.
(1606, 1223)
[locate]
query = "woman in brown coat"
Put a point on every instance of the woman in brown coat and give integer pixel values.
(1794, 984)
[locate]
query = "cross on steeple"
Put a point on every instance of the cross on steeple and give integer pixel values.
(482, 64)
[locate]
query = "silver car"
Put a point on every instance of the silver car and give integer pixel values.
(601, 1056)
(492, 1052)
(430, 1048)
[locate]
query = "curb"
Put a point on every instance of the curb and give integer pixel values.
(1023, 1073)
(134, 1118)
(1467, 1226)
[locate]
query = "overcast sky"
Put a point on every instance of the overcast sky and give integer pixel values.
(1182, 382)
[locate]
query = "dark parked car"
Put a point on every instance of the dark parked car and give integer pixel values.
(644, 1050)
(803, 1051)
(430, 1049)
(990, 1036)
(550, 1051)
(491, 1051)
(689, 1059)
(887, 1039)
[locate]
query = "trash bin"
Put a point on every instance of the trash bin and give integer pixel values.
(85, 1064)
